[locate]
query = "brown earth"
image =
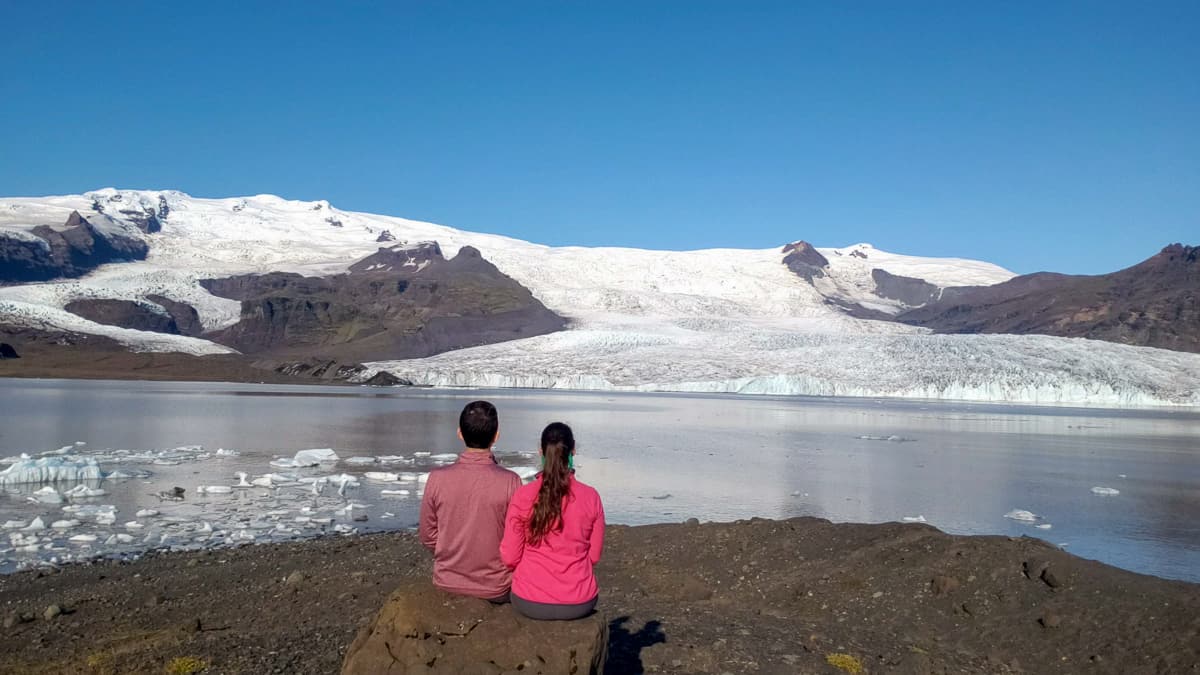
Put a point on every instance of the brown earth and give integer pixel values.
(795, 596)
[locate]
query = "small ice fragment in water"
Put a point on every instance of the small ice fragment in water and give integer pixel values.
(1021, 515)
(35, 525)
(213, 489)
(1121, 475)
(47, 495)
(893, 438)
(64, 524)
(222, 452)
(124, 538)
(242, 483)
(1105, 491)
(913, 519)
(133, 525)
(80, 491)
(1043, 526)
(359, 461)
(422, 454)
(83, 538)
(384, 476)
(15, 524)
(306, 458)
(175, 494)
(526, 472)
(146, 513)
(402, 493)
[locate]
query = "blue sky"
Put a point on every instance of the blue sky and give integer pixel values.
(1038, 135)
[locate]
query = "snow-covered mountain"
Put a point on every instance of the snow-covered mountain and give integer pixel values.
(712, 320)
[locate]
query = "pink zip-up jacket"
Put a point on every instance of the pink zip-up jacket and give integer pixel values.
(558, 570)
(462, 521)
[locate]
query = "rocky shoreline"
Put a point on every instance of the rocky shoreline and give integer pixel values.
(801, 595)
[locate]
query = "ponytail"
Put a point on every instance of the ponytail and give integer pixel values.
(558, 443)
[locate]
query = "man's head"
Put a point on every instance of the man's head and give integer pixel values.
(479, 425)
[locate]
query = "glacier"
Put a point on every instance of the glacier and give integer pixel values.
(715, 321)
(27, 471)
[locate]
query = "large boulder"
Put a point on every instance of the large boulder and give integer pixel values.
(8, 352)
(424, 630)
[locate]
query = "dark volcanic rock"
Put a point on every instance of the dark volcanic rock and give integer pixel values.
(421, 629)
(804, 260)
(146, 219)
(325, 369)
(385, 236)
(909, 290)
(124, 313)
(70, 250)
(401, 302)
(8, 352)
(1155, 303)
(187, 319)
(386, 379)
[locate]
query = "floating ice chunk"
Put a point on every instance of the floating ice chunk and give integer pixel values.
(222, 452)
(14, 524)
(242, 482)
(359, 461)
(893, 438)
(394, 459)
(913, 519)
(444, 457)
(525, 472)
(342, 528)
(1021, 515)
(64, 524)
(1121, 475)
(123, 538)
(422, 454)
(133, 525)
(83, 538)
(47, 495)
(305, 458)
(1043, 526)
(400, 493)
(213, 489)
(129, 473)
(1105, 491)
(146, 513)
(35, 525)
(384, 476)
(83, 491)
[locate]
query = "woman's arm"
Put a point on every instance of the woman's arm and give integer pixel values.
(596, 543)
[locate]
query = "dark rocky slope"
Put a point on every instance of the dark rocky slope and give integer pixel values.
(69, 250)
(786, 597)
(125, 314)
(400, 302)
(1155, 303)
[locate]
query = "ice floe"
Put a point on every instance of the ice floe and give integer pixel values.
(50, 470)
(1105, 491)
(306, 458)
(1021, 515)
(913, 519)
(359, 461)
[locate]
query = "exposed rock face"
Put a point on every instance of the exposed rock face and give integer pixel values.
(804, 260)
(909, 290)
(385, 236)
(8, 352)
(325, 369)
(386, 379)
(187, 319)
(397, 303)
(423, 630)
(69, 250)
(1155, 303)
(125, 314)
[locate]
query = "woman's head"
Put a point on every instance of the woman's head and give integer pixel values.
(558, 448)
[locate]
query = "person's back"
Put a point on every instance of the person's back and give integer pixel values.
(553, 536)
(462, 511)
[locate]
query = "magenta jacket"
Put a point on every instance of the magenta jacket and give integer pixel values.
(559, 569)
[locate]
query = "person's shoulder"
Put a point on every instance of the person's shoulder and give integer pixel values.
(527, 492)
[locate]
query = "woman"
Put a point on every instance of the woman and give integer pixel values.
(553, 533)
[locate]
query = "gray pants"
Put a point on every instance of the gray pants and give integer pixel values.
(542, 611)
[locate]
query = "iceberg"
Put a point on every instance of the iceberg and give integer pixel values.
(51, 469)
(80, 491)
(305, 458)
(1021, 515)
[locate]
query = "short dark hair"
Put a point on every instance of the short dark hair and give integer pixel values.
(478, 424)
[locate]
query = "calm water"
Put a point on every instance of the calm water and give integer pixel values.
(665, 458)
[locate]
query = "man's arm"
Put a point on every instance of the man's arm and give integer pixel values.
(512, 545)
(427, 531)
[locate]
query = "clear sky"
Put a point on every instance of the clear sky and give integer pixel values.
(1038, 135)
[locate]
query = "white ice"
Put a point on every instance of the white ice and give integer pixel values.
(913, 519)
(1021, 515)
(306, 458)
(50, 470)
(1105, 491)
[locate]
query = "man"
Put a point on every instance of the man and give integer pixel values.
(462, 513)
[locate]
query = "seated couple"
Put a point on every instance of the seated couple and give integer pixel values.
(496, 539)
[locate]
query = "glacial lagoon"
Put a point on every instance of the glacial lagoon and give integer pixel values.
(1121, 486)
